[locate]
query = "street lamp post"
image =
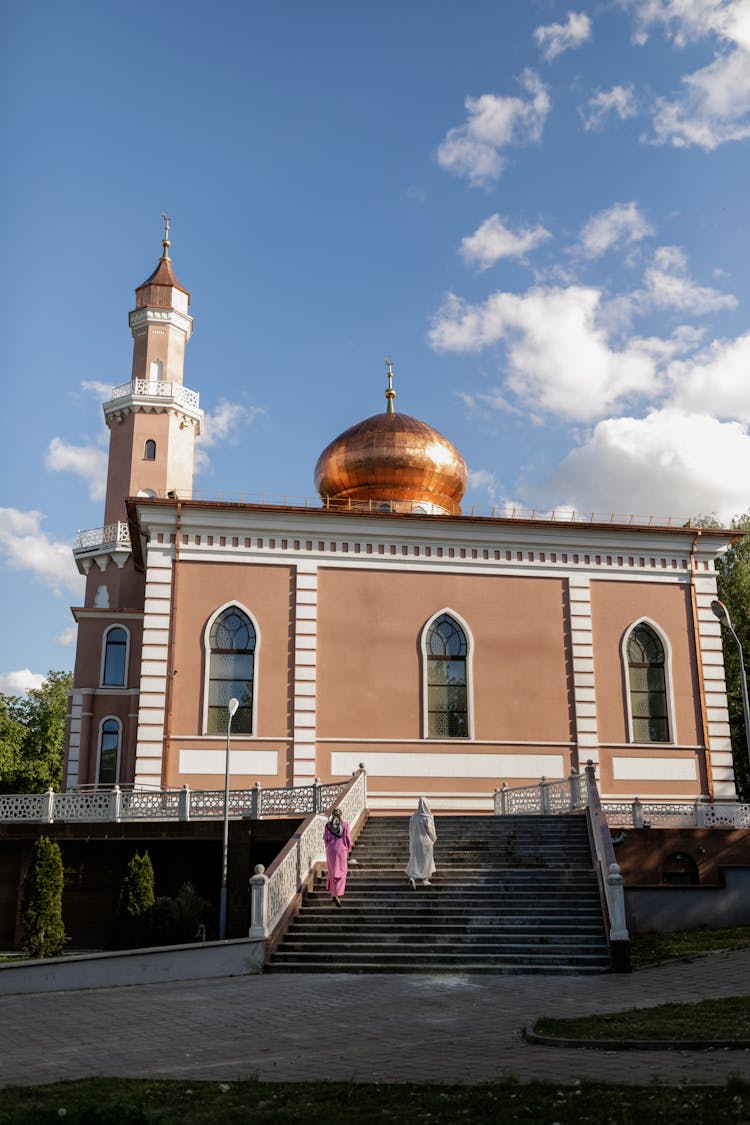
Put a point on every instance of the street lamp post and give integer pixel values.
(720, 610)
(231, 712)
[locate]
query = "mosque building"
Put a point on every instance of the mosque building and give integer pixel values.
(449, 653)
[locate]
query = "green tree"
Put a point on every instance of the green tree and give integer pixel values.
(733, 585)
(32, 731)
(136, 900)
(41, 912)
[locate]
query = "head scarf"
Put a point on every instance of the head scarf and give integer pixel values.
(334, 824)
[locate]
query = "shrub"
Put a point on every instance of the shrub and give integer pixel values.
(136, 901)
(174, 921)
(41, 913)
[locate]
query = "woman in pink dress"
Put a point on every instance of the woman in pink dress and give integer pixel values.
(338, 844)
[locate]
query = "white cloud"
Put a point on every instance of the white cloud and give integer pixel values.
(716, 380)
(20, 682)
(67, 636)
(620, 100)
(473, 149)
(224, 425)
(24, 546)
(494, 240)
(670, 463)
(620, 224)
(483, 480)
(559, 355)
(100, 391)
(554, 38)
(714, 104)
(667, 285)
(714, 107)
(86, 461)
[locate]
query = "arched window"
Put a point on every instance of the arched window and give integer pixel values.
(447, 700)
(149, 450)
(115, 657)
(231, 673)
(109, 752)
(647, 681)
(156, 371)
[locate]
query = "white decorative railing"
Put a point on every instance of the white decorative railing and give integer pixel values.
(610, 879)
(546, 797)
(113, 535)
(147, 388)
(118, 804)
(272, 893)
(571, 795)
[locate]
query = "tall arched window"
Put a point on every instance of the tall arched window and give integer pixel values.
(446, 680)
(115, 657)
(156, 371)
(231, 671)
(109, 752)
(647, 680)
(149, 450)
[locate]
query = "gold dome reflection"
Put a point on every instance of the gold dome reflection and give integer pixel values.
(396, 460)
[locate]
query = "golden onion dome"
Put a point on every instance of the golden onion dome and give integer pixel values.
(395, 462)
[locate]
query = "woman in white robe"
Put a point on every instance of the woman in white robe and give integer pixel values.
(422, 836)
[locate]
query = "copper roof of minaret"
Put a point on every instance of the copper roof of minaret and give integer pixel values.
(161, 279)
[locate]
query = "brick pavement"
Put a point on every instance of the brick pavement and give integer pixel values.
(372, 1028)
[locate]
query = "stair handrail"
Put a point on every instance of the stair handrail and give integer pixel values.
(273, 893)
(566, 795)
(610, 879)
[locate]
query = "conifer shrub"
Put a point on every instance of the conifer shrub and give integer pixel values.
(136, 901)
(41, 912)
(175, 921)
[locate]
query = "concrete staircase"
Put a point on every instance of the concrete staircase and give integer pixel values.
(510, 895)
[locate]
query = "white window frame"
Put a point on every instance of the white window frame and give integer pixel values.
(234, 604)
(668, 685)
(105, 634)
(107, 719)
(469, 676)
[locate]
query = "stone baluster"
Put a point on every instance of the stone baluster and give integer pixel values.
(48, 806)
(256, 801)
(259, 903)
(637, 813)
(183, 804)
(544, 796)
(616, 902)
(115, 804)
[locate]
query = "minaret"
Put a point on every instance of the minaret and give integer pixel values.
(154, 419)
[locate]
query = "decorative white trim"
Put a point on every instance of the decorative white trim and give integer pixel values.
(149, 751)
(74, 739)
(584, 681)
(242, 763)
(305, 670)
(421, 765)
(654, 769)
(234, 604)
(668, 684)
(469, 674)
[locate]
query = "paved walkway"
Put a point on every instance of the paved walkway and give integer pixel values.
(373, 1028)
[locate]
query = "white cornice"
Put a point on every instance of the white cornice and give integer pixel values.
(286, 536)
(138, 317)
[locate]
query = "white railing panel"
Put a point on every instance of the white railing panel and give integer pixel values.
(18, 807)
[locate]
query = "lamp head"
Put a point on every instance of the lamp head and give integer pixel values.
(720, 610)
(232, 706)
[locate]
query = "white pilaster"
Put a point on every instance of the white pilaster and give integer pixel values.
(305, 671)
(149, 749)
(584, 691)
(711, 657)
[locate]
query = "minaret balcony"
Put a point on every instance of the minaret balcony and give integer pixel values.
(147, 396)
(102, 545)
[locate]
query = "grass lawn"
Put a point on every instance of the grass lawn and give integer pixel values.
(113, 1101)
(652, 949)
(704, 1019)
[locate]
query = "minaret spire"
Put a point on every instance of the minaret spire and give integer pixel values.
(390, 394)
(165, 241)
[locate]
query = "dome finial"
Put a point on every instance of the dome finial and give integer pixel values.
(165, 240)
(390, 394)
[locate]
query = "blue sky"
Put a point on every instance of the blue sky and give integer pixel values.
(538, 210)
